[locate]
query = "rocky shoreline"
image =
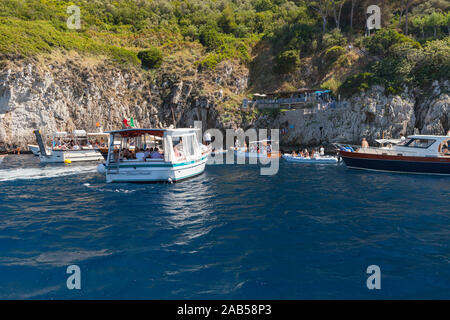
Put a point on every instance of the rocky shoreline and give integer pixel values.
(73, 93)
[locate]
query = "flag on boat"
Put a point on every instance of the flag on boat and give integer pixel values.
(129, 123)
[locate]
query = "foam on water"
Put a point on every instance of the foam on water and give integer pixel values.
(44, 172)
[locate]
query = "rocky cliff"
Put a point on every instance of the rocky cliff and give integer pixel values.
(70, 92)
(371, 114)
(67, 92)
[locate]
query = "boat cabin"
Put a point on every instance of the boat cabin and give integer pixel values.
(416, 145)
(147, 155)
(154, 145)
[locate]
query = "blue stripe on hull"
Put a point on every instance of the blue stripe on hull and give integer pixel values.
(398, 166)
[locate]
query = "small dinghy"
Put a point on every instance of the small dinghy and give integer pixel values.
(316, 159)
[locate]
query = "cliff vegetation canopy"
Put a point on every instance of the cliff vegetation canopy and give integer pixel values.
(276, 39)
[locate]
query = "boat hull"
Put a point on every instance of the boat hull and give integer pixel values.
(60, 156)
(154, 172)
(322, 160)
(404, 164)
(254, 155)
(34, 149)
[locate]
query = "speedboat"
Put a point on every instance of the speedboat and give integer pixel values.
(218, 152)
(315, 159)
(426, 154)
(177, 155)
(67, 148)
(257, 149)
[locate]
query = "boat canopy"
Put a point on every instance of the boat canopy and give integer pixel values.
(79, 133)
(260, 141)
(60, 134)
(98, 134)
(130, 133)
(393, 141)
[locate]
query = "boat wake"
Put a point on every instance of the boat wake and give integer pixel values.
(117, 190)
(43, 173)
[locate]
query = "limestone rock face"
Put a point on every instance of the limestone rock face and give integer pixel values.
(72, 94)
(370, 114)
(435, 110)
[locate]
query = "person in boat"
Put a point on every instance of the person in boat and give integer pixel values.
(448, 133)
(140, 155)
(207, 138)
(445, 149)
(293, 153)
(156, 154)
(364, 143)
(306, 153)
(322, 151)
(148, 153)
(312, 153)
(126, 154)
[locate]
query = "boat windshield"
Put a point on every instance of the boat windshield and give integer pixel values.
(139, 146)
(419, 143)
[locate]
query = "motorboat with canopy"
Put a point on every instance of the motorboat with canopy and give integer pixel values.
(427, 154)
(154, 155)
(67, 148)
(256, 149)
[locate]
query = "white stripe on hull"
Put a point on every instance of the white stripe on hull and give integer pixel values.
(74, 156)
(153, 174)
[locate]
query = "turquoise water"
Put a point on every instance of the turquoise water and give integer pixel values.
(310, 232)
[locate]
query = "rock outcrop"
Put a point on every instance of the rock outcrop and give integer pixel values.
(76, 94)
(371, 114)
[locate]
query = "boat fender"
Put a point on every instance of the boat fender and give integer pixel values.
(170, 180)
(67, 161)
(101, 168)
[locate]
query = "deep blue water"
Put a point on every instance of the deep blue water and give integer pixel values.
(309, 232)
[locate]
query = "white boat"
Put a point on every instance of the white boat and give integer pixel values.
(218, 152)
(178, 155)
(315, 159)
(81, 151)
(257, 149)
(34, 149)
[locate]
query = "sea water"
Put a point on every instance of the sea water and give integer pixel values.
(309, 232)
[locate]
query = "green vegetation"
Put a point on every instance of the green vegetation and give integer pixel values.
(412, 48)
(357, 83)
(287, 61)
(380, 43)
(332, 54)
(151, 58)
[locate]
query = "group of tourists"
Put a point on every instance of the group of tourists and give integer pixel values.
(306, 154)
(141, 154)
